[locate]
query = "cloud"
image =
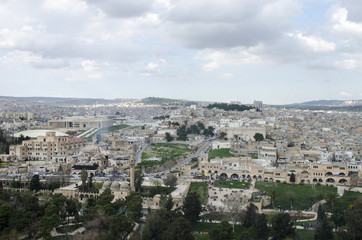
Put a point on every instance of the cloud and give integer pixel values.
(214, 24)
(350, 94)
(123, 8)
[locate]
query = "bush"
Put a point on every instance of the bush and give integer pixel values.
(284, 182)
(318, 183)
(301, 183)
(277, 181)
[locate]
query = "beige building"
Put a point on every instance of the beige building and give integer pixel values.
(81, 123)
(49, 147)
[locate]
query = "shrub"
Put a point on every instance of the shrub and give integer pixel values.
(284, 182)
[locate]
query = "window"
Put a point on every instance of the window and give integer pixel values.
(315, 166)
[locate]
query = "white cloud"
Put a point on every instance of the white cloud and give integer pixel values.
(342, 25)
(346, 64)
(234, 56)
(315, 44)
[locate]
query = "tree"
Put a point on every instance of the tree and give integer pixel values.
(323, 230)
(234, 206)
(209, 131)
(258, 137)
(120, 226)
(224, 232)
(292, 178)
(331, 197)
(223, 136)
(168, 137)
(84, 176)
(273, 195)
(261, 231)
(169, 203)
(170, 181)
(282, 226)
(182, 133)
(192, 207)
(138, 179)
(292, 197)
(155, 225)
(250, 216)
(179, 229)
(353, 217)
(5, 211)
(133, 203)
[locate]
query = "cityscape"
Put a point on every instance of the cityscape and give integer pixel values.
(180, 120)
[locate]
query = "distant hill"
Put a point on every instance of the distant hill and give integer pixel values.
(67, 101)
(166, 101)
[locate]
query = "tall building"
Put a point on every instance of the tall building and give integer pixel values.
(258, 105)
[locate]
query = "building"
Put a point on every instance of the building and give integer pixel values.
(81, 123)
(49, 147)
(258, 105)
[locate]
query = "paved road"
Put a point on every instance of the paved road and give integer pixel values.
(138, 156)
(201, 147)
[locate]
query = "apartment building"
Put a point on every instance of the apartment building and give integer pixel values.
(49, 147)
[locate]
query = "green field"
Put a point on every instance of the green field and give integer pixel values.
(201, 189)
(221, 153)
(231, 184)
(166, 151)
(304, 194)
(204, 229)
(343, 202)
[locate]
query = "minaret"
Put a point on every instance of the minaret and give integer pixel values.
(131, 172)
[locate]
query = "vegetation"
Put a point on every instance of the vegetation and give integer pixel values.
(115, 128)
(231, 184)
(166, 151)
(198, 128)
(168, 137)
(343, 202)
(170, 181)
(301, 196)
(220, 153)
(201, 189)
(6, 141)
(166, 101)
(192, 207)
(258, 137)
(229, 107)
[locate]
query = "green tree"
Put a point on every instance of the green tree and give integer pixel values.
(179, 229)
(120, 226)
(292, 178)
(353, 218)
(273, 195)
(282, 226)
(224, 232)
(138, 179)
(169, 203)
(292, 197)
(250, 216)
(261, 231)
(5, 212)
(323, 230)
(156, 224)
(182, 133)
(192, 207)
(170, 181)
(168, 137)
(84, 176)
(133, 204)
(223, 136)
(258, 137)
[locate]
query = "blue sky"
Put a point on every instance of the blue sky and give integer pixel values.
(281, 51)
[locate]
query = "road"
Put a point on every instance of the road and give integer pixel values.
(138, 156)
(201, 147)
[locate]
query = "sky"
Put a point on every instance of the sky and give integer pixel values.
(276, 51)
